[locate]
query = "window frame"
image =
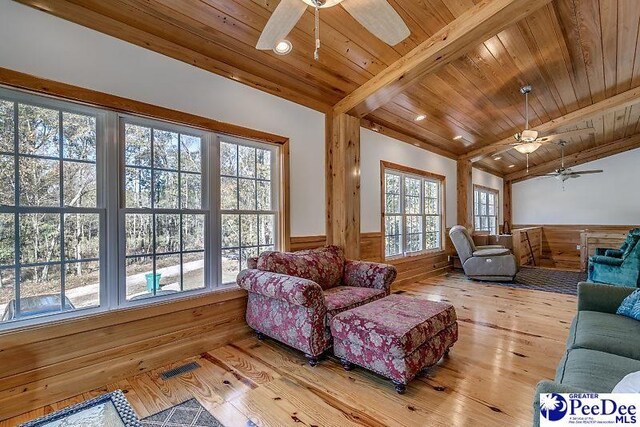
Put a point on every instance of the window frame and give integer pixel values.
(276, 183)
(206, 208)
(61, 106)
(424, 176)
(477, 189)
(108, 167)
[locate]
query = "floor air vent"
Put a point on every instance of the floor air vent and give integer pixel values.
(179, 370)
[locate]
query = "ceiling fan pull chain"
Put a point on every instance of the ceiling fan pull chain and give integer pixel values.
(316, 54)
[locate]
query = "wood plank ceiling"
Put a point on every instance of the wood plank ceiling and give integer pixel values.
(574, 53)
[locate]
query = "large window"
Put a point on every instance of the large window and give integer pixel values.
(248, 203)
(485, 207)
(412, 211)
(100, 210)
(165, 214)
(51, 213)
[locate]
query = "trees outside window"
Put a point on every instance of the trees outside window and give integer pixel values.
(87, 194)
(412, 211)
(485, 207)
(248, 203)
(51, 208)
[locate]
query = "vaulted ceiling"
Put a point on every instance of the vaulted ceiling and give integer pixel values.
(575, 53)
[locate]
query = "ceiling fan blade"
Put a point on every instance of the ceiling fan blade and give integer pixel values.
(586, 172)
(284, 18)
(566, 135)
(379, 18)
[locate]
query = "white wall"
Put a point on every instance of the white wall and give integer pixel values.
(375, 147)
(487, 180)
(37, 43)
(610, 198)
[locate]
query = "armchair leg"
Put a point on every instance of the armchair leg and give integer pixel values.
(313, 360)
(346, 364)
(400, 387)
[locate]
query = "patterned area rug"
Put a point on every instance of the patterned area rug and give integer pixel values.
(186, 414)
(547, 280)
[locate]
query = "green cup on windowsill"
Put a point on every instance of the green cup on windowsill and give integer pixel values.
(153, 281)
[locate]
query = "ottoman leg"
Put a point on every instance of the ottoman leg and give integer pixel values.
(260, 336)
(446, 352)
(400, 387)
(313, 360)
(346, 364)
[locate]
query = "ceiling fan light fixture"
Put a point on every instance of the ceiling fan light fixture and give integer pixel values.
(284, 47)
(528, 135)
(528, 148)
(322, 4)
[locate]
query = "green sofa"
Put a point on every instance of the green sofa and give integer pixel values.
(602, 347)
(618, 266)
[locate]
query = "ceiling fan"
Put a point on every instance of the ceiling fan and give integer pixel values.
(529, 140)
(377, 16)
(563, 173)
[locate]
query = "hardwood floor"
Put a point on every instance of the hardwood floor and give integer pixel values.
(509, 340)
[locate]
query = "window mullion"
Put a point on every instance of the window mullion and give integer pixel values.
(16, 201)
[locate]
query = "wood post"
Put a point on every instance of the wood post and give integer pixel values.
(465, 194)
(343, 183)
(507, 212)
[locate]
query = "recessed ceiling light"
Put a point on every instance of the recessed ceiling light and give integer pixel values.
(420, 118)
(496, 158)
(457, 137)
(283, 47)
(512, 166)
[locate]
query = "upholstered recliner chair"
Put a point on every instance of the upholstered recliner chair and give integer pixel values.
(294, 295)
(493, 263)
(619, 267)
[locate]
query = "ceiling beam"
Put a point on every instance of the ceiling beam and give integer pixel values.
(479, 23)
(608, 105)
(616, 147)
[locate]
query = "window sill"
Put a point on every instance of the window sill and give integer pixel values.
(416, 255)
(48, 329)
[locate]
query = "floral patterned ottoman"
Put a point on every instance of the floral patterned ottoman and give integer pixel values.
(396, 336)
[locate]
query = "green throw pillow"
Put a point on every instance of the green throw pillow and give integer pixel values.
(630, 306)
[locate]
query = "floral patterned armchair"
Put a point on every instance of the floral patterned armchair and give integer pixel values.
(294, 295)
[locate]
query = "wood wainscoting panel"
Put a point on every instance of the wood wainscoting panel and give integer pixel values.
(301, 243)
(47, 363)
(561, 243)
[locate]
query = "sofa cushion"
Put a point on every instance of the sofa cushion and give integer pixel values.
(342, 298)
(492, 252)
(594, 371)
(323, 266)
(395, 325)
(606, 332)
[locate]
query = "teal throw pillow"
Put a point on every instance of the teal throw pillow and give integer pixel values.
(630, 306)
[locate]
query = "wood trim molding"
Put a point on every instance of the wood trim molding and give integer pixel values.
(18, 80)
(407, 169)
(605, 106)
(384, 165)
(479, 23)
(285, 197)
(590, 155)
(482, 187)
